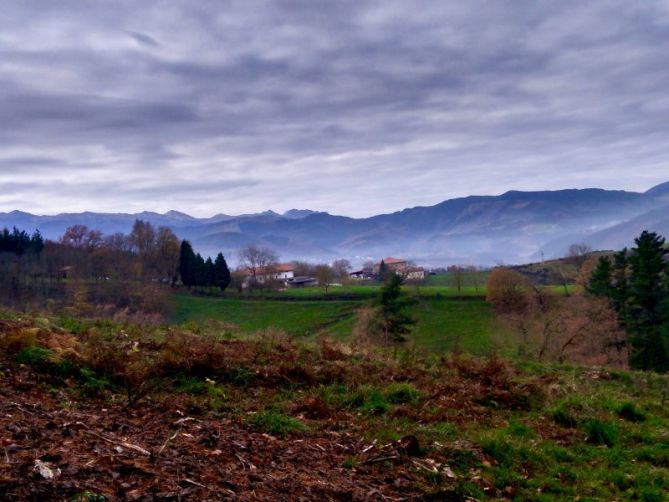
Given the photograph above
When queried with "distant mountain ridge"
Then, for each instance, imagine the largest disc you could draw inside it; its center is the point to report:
(513, 227)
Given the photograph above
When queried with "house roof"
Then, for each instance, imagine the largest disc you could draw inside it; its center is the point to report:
(273, 269)
(391, 261)
(283, 267)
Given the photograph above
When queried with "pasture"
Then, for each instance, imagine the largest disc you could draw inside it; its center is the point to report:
(445, 318)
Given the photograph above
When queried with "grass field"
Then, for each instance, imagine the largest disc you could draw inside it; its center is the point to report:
(364, 291)
(300, 318)
(442, 322)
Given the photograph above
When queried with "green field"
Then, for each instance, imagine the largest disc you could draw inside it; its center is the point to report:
(443, 319)
(363, 291)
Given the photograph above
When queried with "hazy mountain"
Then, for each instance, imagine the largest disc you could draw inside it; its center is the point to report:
(512, 227)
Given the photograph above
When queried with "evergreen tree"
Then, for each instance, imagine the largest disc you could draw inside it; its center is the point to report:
(383, 271)
(187, 264)
(620, 295)
(37, 242)
(600, 280)
(200, 271)
(221, 272)
(394, 321)
(209, 273)
(648, 322)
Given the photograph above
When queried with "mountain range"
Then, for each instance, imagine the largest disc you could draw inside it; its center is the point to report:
(514, 227)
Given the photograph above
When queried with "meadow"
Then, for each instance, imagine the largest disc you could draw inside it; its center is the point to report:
(445, 317)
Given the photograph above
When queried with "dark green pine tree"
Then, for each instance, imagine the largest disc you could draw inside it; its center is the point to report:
(221, 272)
(395, 321)
(620, 296)
(600, 283)
(383, 271)
(187, 264)
(200, 271)
(648, 322)
(209, 273)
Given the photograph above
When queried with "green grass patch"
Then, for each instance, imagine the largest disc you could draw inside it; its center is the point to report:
(402, 393)
(295, 317)
(276, 423)
(600, 432)
(34, 356)
(630, 413)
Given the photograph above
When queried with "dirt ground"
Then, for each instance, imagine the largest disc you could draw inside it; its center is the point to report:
(53, 449)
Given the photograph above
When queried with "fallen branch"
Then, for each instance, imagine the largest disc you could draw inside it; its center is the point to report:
(124, 444)
(167, 441)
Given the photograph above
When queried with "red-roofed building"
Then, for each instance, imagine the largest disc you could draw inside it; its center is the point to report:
(280, 272)
(396, 264)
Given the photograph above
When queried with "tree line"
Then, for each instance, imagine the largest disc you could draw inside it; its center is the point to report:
(196, 271)
(19, 242)
(85, 266)
(636, 283)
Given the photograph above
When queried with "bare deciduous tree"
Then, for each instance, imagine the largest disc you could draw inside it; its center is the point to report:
(457, 276)
(578, 253)
(259, 262)
(324, 275)
(341, 268)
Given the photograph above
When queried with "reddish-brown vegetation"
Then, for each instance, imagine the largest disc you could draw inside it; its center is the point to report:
(103, 412)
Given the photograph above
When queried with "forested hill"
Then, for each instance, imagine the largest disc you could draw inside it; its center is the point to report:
(512, 227)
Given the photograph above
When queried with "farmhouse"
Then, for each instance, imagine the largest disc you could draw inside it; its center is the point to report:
(396, 264)
(414, 273)
(282, 272)
(361, 275)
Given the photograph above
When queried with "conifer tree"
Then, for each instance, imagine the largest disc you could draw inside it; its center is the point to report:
(383, 271)
(208, 275)
(600, 280)
(620, 295)
(221, 272)
(394, 321)
(649, 293)
(187, 264)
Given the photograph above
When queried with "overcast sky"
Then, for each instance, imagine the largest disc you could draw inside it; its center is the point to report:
(352, 107)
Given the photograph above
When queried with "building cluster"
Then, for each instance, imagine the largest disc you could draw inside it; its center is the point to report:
(398, 266)
(284, 273)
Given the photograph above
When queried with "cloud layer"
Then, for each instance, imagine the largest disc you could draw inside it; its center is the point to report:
(353, 107)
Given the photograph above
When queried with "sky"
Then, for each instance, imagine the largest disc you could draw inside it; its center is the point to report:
(351, 107)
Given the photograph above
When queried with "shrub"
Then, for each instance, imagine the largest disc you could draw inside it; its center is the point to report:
(14, 340)
(276, 423)
(38, 357)
(600, 432)
(193, 354)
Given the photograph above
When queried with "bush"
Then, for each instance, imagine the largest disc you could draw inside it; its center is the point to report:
(276, 423)
(193, 354)
(600, 432)
(38, 357)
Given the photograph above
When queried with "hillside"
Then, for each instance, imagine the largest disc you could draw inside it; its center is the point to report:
(99, 411)
(512, 227)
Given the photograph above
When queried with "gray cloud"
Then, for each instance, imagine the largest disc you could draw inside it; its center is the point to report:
(350, 107)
